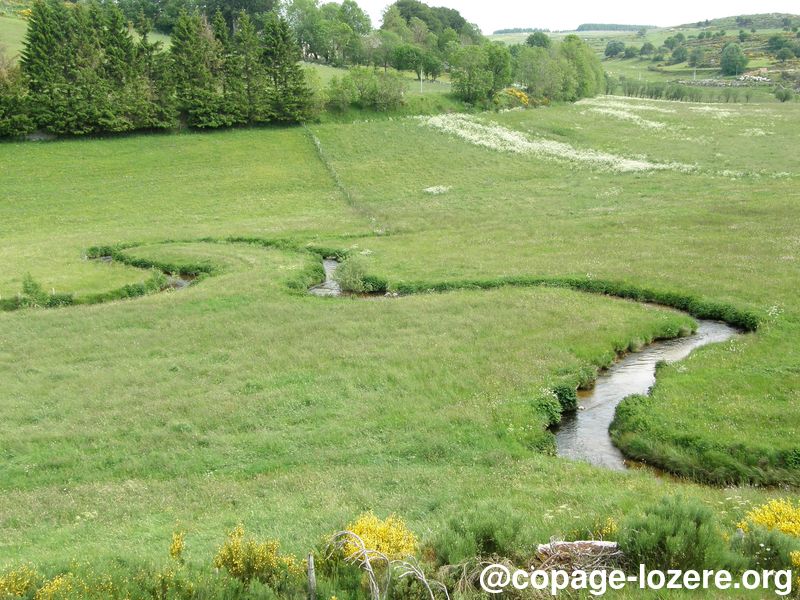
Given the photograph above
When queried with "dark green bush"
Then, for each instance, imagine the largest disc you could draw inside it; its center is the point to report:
(352, 277)
(567, 396)
(489, 529)
(676, 533)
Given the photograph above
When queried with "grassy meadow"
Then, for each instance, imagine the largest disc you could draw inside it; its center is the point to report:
(12, 32)
(240, 399)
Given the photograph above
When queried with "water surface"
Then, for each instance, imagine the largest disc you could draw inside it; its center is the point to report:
(330, 287)
(584, 434)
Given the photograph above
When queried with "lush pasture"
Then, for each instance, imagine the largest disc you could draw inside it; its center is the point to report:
(241, 400)
(723, 230)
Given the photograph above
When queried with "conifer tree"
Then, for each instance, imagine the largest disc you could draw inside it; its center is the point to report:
(290, 96)
(44, 63)
(196, 54)
(251, 72)
(228, 73)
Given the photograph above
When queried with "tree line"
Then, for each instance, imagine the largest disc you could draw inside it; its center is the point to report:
(87, 68)
(82, 71)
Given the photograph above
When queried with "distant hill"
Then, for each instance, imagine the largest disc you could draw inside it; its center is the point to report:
(611, 27)
(759, 21)
(519, 30)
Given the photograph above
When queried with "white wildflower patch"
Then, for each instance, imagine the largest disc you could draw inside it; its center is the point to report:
(713, 111)
(626, 115)
(755, 132)
(437, 190)
(499, 138)
(624, 104)
(612, 192)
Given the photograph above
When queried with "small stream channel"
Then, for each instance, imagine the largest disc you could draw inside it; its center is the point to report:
(584, 435)
(175, 281)
(330, 287)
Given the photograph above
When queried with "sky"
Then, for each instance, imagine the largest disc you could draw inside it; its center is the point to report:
(491, 15)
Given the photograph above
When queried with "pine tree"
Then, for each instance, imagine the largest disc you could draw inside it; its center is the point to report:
(228, 73)
(89, 106)
(290, 96)
(118, 67)
(251, 73)
(196, 56)
(43, 62)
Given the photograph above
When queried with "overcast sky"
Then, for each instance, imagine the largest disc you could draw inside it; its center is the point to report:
(491, 15)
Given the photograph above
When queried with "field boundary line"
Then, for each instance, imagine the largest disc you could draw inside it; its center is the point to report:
(360, 208)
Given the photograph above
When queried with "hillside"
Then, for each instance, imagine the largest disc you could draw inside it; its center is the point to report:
(757, 21)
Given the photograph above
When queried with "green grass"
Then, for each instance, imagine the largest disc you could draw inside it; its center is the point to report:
(12, 32)
(242, 399)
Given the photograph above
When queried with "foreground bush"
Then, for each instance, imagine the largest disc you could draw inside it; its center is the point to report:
(779, 515)
(676, 534)
(389, 536)
(487, 530)
(766, 549)
(246, 560)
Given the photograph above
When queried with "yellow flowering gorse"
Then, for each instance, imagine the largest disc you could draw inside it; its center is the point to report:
(781, 515)
(177, 545)
(17, 582)
(58, 587)
(246, 559)
(389, 536)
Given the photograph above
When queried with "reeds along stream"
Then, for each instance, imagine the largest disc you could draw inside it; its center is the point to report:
(584, 434)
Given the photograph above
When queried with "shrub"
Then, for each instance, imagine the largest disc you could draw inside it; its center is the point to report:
(390, 536)
(780, 515)
(676, 534)
(784, 94)
(511, 98)
(341, 94)
(567, 396)
(17, 582)
(486, 530)
(601, 529)
(766, 549)
(352, 277)
(32, 293)
(246, 560)
(373, 89)
(177, 546)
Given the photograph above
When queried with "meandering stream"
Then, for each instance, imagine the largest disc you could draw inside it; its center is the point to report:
(584, 434)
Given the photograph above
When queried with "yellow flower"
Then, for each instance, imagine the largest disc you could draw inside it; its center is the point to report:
(389, 536)
(17, 582)
(795, 557)
(177, 545)
(246, 559)
(58, 587)
(780, 514)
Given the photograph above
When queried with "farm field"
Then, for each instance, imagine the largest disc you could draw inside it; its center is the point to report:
(243, 399)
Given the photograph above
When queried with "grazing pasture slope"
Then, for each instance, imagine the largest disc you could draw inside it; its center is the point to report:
(242, 400)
